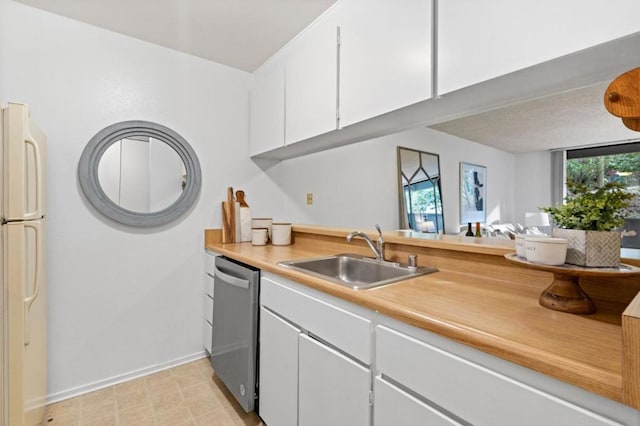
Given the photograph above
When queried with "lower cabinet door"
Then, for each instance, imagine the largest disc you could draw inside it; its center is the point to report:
(278, 370)
(395, 407)
(333, 389)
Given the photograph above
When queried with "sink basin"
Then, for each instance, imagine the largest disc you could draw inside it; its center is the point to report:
(355, 271)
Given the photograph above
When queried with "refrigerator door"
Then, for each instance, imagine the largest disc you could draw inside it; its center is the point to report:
(23, 159)
(26, 331)
(3, 324)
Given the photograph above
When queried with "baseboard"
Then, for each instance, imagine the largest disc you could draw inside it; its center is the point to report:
(90, 387)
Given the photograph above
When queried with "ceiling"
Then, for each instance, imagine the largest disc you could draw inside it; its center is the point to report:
(242, 34)
(565, 120)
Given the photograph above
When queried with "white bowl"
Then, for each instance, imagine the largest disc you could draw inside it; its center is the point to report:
(546, 250)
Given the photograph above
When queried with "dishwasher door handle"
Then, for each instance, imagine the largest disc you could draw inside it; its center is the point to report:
(229, 279)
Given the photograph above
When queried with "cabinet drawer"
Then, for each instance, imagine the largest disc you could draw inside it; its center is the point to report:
(208, 285)
(209, 263)
(208, 308)
(395, 407)
(474, 393)
(345, 330)
(206, 335)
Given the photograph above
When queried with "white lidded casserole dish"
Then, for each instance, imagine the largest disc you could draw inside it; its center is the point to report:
(546, 250)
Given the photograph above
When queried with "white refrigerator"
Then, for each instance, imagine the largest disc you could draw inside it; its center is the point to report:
(23, 304)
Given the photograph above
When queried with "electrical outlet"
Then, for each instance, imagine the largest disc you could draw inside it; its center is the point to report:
(309, 198)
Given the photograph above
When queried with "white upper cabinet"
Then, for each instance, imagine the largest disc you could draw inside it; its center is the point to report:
(385, 56)
(267, 107)
(369, 67)
(312, 80)
(480, 40)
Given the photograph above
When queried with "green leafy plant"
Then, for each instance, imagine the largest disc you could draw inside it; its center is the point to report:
(601, 209)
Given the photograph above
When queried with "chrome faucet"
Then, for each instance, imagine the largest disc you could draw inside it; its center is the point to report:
(378, 248)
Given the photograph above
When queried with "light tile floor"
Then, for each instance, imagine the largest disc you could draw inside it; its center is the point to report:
(189, 394)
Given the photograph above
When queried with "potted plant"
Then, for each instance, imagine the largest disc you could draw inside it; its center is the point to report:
(589, 220)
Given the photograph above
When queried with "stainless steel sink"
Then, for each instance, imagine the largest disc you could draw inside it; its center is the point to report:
(355, 271)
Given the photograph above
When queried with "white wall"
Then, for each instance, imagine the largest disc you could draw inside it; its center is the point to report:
(532, 182)
(356, 185)
(121, 300)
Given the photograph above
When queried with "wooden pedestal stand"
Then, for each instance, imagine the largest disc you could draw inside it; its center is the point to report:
(565, 294)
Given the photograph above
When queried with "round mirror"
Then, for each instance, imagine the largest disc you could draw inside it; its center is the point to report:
(139, 173)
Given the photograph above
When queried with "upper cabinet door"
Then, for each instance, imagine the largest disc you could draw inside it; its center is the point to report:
(267, 107)
(385, 57)
(478, 41)
(312, 80)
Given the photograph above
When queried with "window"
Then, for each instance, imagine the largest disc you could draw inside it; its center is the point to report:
(424, 204)
(596, 166)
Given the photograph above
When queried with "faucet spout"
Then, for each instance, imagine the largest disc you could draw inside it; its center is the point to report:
(378, 249)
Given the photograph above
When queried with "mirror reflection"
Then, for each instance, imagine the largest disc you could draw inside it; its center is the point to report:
(420, 191)
(141, 174)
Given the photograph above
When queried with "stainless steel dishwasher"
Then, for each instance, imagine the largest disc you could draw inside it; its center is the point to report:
(234, 347)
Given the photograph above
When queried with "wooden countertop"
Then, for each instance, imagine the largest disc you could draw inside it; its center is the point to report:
(476, 298)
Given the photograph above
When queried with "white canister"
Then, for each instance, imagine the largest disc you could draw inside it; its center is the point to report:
(259, 236)
(546, 250)
(281, 234)
(262, 222)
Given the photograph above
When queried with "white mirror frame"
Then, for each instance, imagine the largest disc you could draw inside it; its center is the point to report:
(90, 184)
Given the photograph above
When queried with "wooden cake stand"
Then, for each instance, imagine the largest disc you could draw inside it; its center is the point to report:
(565, 294)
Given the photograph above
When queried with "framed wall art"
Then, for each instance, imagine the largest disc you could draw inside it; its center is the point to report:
(473, 190)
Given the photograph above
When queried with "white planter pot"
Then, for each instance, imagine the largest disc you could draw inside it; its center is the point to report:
(598, 249)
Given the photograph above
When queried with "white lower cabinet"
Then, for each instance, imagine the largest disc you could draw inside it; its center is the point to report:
(207, 330)
(278, 370)
(395, 407)
(475, 393)
(314, 358)
(207, 309)
(333, 389)
(319, 353)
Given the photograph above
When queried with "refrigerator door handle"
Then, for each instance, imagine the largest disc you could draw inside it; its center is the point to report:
(37, 213)
(36, 279)
(238, 282)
